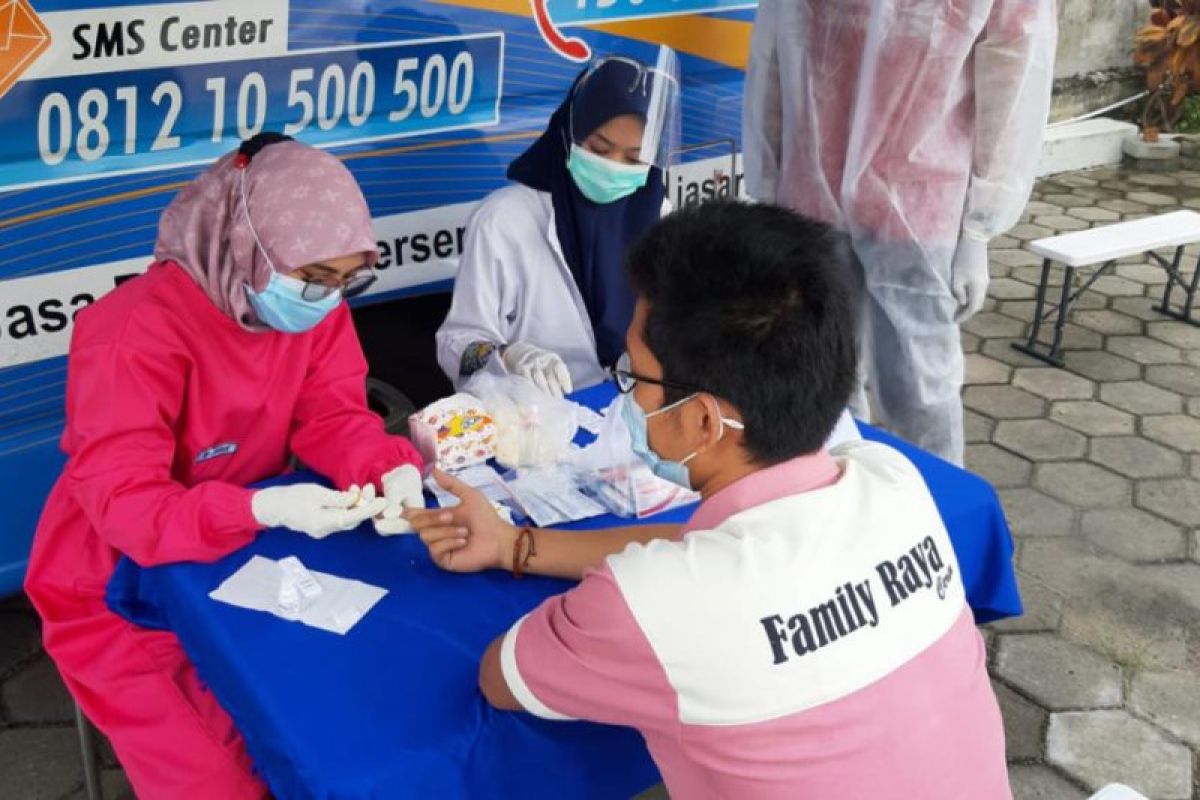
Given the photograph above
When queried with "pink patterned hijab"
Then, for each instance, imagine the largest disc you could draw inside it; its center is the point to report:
(305, 206)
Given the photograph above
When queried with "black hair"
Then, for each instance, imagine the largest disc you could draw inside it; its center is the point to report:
(751, 303)
(250, 147)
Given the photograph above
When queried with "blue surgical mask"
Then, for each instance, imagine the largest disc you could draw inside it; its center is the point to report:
(635, 419)
(282, 305)
(603, 180)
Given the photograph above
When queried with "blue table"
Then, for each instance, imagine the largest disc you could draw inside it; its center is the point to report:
(391, 710)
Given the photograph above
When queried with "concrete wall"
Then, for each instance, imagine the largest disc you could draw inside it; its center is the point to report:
(1094, 65)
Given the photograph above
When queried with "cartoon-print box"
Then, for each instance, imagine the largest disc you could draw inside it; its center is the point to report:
(454, 432)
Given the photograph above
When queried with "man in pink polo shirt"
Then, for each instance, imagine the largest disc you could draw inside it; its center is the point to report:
(806, 634)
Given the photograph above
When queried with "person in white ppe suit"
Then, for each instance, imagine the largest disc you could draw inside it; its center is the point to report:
(915, 127)
(541, 289)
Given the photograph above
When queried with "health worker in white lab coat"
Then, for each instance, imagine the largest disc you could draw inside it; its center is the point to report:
(915, 126)
(541, 289)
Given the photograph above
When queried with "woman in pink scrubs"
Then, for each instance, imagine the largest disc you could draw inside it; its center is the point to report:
(186, 384)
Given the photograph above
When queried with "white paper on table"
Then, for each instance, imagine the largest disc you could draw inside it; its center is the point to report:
(338, 608)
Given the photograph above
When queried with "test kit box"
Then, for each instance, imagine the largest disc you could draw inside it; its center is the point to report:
(454, 433)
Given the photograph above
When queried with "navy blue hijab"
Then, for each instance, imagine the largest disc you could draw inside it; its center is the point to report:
(594, 237)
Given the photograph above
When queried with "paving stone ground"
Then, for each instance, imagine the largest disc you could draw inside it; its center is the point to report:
(39, 748)
(1098, 468)
(1100, 680)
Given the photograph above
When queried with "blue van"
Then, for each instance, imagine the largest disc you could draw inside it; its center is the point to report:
(108, 108)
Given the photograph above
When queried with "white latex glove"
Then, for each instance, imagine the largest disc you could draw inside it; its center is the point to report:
(313, 509)
(969, 277)
(401, 489)
(547, 370)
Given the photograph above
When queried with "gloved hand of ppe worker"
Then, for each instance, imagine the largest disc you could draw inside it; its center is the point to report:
(547, 370)
(313, 509)
(401, 490)
(969, 277)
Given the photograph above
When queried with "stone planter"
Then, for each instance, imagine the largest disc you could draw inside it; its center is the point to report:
(1160, 156)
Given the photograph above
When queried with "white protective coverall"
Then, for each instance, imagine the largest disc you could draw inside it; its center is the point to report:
(911, 125)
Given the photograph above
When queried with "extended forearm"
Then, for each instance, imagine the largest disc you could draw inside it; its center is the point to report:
(567, 554)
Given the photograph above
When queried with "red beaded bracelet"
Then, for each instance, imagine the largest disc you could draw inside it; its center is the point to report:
(519, 563)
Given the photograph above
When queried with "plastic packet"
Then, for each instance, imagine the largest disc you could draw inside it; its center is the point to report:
(610, 471)
(533, 429)
(481, 477)
(551, 497)
(488, 482)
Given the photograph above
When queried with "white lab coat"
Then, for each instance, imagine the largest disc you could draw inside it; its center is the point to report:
(514, 285)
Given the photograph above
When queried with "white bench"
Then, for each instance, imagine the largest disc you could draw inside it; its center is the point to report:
(1105, 245)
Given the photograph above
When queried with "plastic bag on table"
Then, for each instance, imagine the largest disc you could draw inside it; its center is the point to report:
(609, 470)
(533, 429)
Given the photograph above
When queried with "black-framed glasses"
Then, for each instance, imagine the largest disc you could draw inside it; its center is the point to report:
(352, 285)
(627, 380)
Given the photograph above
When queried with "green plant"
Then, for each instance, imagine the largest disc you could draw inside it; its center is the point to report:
(1189, 117)
(1168, 48)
